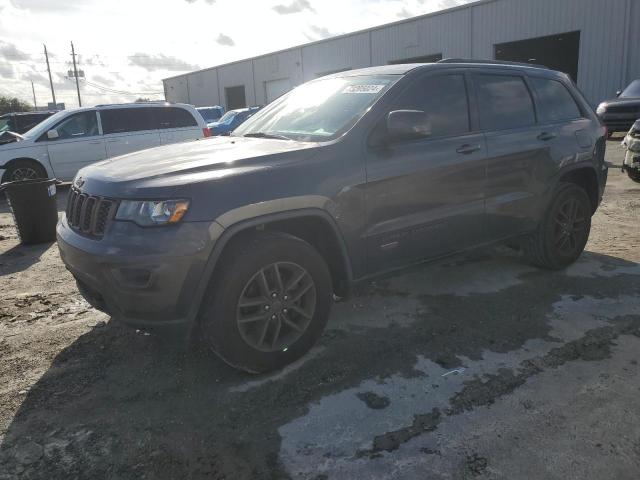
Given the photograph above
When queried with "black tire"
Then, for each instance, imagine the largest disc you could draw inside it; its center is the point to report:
(563, 233)
(633, 174)
(23, 169)
(268, 344)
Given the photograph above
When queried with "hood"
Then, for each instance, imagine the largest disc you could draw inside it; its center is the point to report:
(188, 163)
(217, 127)
(9, 137)
(632, 102)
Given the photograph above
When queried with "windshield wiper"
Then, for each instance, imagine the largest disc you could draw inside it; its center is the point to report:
(267, 135)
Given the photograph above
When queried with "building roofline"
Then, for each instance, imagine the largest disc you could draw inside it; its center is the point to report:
(342, 35)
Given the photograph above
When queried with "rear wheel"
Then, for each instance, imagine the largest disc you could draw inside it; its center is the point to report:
(563, 234)
(268, 303)
(23, 170)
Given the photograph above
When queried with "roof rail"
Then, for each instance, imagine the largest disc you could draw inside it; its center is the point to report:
(132, 103)
(491, 62)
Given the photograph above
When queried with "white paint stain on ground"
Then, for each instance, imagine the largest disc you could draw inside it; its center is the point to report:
(327, 439)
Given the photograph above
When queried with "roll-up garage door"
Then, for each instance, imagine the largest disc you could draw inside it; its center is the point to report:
(277, 88)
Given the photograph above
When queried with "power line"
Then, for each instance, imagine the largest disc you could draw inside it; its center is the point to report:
(122, 92)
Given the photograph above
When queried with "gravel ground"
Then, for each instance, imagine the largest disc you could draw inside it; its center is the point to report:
(476, 367)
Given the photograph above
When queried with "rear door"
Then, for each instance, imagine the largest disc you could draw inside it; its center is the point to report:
(176, 125)
(128, 130)
(518, 150)
(425, 197)
(560, 116)
(79, 143)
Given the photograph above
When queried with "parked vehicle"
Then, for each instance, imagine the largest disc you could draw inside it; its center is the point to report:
(246, 238)
(211, 114)
(231, 120)
(631, 143)
(620, 113)
(71, 139)
(19, 122)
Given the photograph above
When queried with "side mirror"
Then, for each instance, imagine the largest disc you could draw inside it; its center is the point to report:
(408, 125)
(618, 93)
(52, 134)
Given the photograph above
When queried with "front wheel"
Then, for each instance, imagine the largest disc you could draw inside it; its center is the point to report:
(633, 174)
(563, 234)
(268, 303)
(23, 170)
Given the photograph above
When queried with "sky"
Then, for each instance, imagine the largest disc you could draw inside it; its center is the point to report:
(126, 48)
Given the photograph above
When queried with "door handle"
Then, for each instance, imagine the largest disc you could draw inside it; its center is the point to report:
(95, 143)
(546, 136)
(466, 149)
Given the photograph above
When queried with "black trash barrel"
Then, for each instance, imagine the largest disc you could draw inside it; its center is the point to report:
(34, 209)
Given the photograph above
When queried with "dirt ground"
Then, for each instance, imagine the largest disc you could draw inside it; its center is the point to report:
(475, 367)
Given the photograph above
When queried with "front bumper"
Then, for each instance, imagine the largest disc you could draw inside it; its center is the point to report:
(140, 276)
(618, 122)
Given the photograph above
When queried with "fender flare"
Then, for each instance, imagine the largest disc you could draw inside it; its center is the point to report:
(230, 232)
(586, 165)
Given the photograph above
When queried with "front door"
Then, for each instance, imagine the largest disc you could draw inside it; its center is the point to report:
(425, 198)
(78, 144)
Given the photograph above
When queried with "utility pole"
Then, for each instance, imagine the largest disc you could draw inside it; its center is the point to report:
(35, 105)
(53, 94)
(75, 74)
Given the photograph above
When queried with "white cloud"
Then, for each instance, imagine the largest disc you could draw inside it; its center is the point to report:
(296, 6)
(164, 38)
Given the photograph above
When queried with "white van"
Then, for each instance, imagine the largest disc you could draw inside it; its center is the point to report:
(69, 140)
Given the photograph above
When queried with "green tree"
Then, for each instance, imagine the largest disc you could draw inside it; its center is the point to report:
(8, 105)
(143, 100)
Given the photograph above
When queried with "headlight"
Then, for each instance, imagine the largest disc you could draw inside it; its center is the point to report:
(152, 212)
(602, 108)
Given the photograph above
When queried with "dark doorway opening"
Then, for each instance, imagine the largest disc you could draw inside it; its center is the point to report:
(559, 52)
(235, 97)
(422, 59)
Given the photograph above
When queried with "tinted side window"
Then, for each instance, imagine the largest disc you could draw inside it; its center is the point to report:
(78, 125)
(504, 102)
(172, 117)
(120, 120)
(555, 101)
(27, 122)
(444, 99)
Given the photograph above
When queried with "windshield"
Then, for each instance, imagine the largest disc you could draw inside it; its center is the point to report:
(228, 117)
(320, 110)
(45, 125)
(633, 90)
(4, 124)
(209, 114)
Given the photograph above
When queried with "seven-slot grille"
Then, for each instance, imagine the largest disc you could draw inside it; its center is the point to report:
(89, 214)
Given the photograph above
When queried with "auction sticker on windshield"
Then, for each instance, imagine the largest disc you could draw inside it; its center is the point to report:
(363, 88)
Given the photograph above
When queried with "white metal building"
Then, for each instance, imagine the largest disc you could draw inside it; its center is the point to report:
(595, 41)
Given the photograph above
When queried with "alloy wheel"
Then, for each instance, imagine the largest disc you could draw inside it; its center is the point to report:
(570, 226)
(24, 173)
(276, 306)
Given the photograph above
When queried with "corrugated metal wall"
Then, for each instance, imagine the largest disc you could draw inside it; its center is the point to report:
(609, 47)
(601, 34)
(203, 88)
(448, 34)
(344, 53)
(278, 66)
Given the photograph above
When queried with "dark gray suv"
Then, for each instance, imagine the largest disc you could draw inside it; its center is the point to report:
(247, 238)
